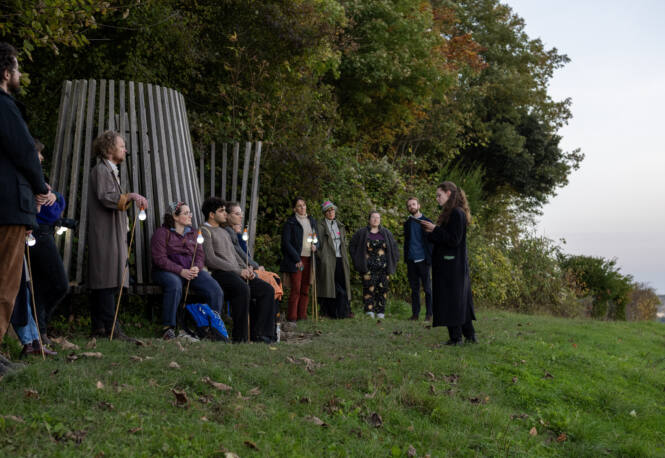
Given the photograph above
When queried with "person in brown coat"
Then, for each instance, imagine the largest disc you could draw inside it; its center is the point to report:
(107, 231)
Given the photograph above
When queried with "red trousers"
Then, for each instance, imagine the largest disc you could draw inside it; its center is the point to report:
(12, 246)
(299, 296)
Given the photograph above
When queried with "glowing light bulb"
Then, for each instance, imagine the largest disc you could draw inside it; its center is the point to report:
(315, 239)
(142, 215)
(30, 240)
(199, 238)
(61, 230)
(245, 236)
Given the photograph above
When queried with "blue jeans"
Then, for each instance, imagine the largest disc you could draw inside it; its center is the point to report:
(28, 333)
(173, 285)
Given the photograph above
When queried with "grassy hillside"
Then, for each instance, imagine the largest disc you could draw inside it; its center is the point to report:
(534, 385)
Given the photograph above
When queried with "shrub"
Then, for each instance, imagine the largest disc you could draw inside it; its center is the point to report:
(642, 303)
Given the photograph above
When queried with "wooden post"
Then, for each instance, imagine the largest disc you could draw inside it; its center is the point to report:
(254, 204)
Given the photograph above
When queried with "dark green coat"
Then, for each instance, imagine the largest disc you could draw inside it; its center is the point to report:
(326, 260)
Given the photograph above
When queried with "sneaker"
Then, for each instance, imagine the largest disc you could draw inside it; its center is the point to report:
(46, 340)
(380, 316)
(370, 314)
(119, 334)
(37, 350)
(169, 334)
(187, 338)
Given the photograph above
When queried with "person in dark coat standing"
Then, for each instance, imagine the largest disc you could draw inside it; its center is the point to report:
(375, 255)
(22, 187)
(296, 258)
(333, 279)
(452, 300)
(418, 258)
(107, 231)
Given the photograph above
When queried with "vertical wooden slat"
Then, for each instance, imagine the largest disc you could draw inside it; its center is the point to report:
(102, 107)
(212, 169)
(224, 164)
(254, 204)
(74, 172)
(122, 128)
(201, 174)
(111, 122)
(186, 179)
(56, 158)
(163, 149)
(154, 205)
(189, 155)
(87, 156)
(245, 176)
(157, 172)
(65, 158)
(174, 157)
(236, 159)
(135, 165)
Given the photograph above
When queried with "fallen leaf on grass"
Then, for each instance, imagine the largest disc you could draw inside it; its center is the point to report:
(180, 398)
(515, 379)
(152, 382)
(220, 386)
(479, 400)
(410, 428)
(533, 431)
(562, 437)
(230, 455)
(291, 360)
(13, 417)
(430, 376)
(204, 418)
(241, 397)
(205, 399)
(519, 416)
(251, 445)
(310, 365)
(105, 405)
(75, 436)
(179, 345)
(371, 395)
(316, 420)
(432, 389)
(99, 385)
(135, 430)
(548, 375)
(174, 365)
(91, 354)
(34, 394)
(139, 343)
(633, 413)
(65, 344)
(254, 391)
(411, 451)
(91, 344)
(136, 358)
(376, 420)
(452, 378)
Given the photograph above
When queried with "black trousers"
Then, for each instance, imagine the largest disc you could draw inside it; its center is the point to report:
(338, 306)
(102, 309)
(256, 298)
(419, 273)
(49, 277)
(456, 332)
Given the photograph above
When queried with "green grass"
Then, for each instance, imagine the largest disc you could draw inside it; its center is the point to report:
(600, 373)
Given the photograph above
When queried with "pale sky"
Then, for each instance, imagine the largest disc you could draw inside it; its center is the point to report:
(614, 205)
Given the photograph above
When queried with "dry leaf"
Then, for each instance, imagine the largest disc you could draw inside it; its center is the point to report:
(12, 417)
(515, 379)
(218, 385)
(430, 376)
(75, 436)
(204, 418)
(291, 360)
(371, 396)
(180, 398)
(179, 345)
(316, 420)
(533, 431)
(410, 428)
(65, 344)
(91, 344)
(135, 430)
(230, 455)
(562, 437)
(106, 405)
(174, 365)
(633, 413)
(432, 389)
(152, 382)
(519, 416)
(34, 394)
(91, 354)
(548, 375)
(376, 420)
(452, 378)
(99, 385)
(136, 358)
(254, 391)
(251, 445)
(241, 397)
(411, 451)
(139, 343)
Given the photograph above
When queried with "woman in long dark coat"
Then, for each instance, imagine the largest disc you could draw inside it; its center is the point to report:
(452, 302)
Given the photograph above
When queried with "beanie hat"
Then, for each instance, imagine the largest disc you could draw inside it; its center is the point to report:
(327, 205)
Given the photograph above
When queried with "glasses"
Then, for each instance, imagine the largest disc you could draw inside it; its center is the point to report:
(187, 213)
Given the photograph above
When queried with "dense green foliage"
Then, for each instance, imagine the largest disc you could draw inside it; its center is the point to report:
(533, 386)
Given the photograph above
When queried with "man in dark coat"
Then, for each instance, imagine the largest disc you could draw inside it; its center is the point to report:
(418, 258)
(22, 188)
(107, 232)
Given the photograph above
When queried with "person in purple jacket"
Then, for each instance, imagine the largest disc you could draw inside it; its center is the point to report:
(172, 247)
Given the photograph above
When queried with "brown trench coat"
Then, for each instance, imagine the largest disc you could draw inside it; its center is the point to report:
(326, 260)
(107, 229)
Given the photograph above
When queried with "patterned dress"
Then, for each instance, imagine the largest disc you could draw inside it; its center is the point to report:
(375, 281)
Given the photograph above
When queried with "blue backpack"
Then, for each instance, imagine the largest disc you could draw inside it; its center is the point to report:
(208, 324)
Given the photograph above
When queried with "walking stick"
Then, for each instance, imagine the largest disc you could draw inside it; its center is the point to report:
(199, 241)
(315, 304)
(124, 272)
(30, 242)
(245, 237)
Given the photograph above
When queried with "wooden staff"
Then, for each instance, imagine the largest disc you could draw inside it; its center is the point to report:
(315, 303)
(199, 241)
(245, 237)
(124, 274)
(32, 296)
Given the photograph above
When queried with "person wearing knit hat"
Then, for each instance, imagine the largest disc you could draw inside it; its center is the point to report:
(333, 273)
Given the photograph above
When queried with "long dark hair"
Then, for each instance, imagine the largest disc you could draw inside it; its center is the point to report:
(457, 199)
